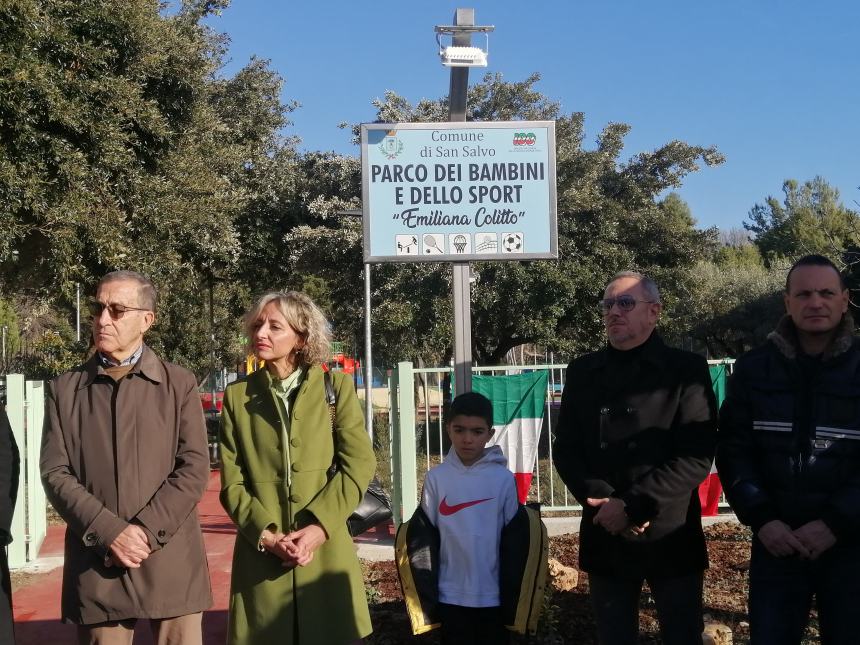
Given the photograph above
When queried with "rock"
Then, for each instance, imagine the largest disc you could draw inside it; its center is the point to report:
(563, 578)
(716, 634)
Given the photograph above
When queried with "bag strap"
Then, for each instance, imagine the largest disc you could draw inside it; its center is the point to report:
(331, 399)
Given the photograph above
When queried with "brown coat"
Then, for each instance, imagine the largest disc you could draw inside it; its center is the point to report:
(116, 453)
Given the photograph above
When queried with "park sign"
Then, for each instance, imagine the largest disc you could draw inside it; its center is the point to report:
(455, 192)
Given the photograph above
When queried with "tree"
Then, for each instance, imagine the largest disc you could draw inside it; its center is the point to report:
(8, 328)
(120, 147)
(810, 219)
(611, 218)
(738, 302)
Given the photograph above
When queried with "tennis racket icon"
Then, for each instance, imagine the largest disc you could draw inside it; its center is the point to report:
(431, 245)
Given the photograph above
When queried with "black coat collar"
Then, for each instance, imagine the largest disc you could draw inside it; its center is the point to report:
(651, 352)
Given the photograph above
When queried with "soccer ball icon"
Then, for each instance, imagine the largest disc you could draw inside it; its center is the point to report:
(512, 242)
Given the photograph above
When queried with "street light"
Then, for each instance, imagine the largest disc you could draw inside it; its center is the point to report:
(457, 55)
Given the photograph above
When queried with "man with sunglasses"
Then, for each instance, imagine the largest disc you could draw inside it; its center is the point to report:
(124, 462)
(789, 458)
(634, 439)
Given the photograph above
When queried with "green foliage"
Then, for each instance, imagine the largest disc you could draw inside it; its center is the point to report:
(745, 255)
(51, 355)
(736, 301)
(120, 148)
(9, 328)
(810, 219)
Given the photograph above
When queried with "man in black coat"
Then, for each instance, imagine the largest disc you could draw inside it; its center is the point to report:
(789, 460)
(9, 469)
(635, 438)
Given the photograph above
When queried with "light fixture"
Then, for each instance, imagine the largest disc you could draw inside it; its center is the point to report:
(460, 56)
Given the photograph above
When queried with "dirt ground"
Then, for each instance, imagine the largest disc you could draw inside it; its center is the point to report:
(567, 615)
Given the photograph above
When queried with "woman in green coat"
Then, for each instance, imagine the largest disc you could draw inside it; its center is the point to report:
(296, 578)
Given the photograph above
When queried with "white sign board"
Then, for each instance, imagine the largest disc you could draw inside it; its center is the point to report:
(456, 192)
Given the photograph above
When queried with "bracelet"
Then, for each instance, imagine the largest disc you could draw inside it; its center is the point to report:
(261, 547)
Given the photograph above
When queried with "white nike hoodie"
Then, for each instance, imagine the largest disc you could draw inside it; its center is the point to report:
(470, 505)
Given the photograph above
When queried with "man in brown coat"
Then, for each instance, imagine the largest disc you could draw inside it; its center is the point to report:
(124, 462)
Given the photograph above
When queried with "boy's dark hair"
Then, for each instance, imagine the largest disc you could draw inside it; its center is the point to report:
(471, 404)
(814, 260)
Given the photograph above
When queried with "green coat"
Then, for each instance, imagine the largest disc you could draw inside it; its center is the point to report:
(266, 481)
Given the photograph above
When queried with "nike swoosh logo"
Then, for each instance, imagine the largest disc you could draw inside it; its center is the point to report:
(445, 509)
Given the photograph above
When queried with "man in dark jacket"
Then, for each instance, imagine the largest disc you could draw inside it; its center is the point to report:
(789, 459)
(635, 438)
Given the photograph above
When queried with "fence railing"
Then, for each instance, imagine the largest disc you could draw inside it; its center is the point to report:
(25, 406)
(416, 438)
(417, 434)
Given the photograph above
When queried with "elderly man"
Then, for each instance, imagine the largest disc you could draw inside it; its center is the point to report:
(124, 462)
(789, 459)
(634, 439)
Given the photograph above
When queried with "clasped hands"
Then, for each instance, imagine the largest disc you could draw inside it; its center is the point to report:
(129, 549)
(808, 541)
(295, 548)
(613, 518)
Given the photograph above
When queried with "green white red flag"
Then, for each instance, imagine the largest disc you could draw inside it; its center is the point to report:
(519, 402)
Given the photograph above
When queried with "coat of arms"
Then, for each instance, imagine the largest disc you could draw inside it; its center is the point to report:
(391, 146)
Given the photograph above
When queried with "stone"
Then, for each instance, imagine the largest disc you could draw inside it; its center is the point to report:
(563, 578)
(716, 634)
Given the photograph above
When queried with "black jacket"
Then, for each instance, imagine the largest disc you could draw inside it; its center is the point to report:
(789, 443)
(523, 552)
(639, 425)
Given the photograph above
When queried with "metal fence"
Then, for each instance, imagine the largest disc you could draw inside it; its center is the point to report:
(25, 406)
(418, 440)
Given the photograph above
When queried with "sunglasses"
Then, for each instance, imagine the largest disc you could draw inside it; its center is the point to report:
(114, 311)
(625, 303)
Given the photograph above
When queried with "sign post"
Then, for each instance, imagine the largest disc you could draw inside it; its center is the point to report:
(462, 273)
(457, 192)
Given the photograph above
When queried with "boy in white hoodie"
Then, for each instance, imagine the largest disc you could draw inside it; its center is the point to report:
(469, 498)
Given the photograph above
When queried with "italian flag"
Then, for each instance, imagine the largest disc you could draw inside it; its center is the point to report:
(709, 493)
(518, 407)
(711, 489)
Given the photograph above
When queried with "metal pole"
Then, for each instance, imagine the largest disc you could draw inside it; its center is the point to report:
(368, 359)
(78, 310)
(461, 272)
(4, 346)
(460, 75)
(212, 351)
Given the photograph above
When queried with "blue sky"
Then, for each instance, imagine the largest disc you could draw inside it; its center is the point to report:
(773, 84)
